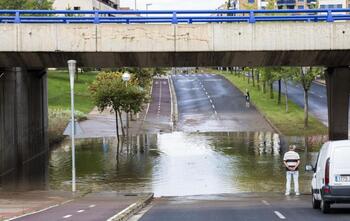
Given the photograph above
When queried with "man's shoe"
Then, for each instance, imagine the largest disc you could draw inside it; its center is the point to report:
(287, 194)
(297, 194)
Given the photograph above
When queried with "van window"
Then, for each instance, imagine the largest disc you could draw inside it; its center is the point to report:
(341, 157)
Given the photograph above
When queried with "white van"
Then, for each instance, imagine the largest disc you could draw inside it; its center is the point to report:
(331, 179)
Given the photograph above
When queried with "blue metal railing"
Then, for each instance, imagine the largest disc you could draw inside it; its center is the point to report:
(172, 17)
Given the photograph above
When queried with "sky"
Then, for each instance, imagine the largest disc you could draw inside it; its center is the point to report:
(173, 4)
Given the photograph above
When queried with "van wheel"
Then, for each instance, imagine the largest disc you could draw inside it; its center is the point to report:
(315, 203)
(325, 206)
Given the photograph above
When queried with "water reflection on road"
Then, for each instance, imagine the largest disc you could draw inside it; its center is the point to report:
(180, 163)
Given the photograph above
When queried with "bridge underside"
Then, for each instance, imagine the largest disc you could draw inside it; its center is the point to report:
(327, 58)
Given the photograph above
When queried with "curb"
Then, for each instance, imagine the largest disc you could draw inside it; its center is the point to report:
(132, 209)
(174, 108)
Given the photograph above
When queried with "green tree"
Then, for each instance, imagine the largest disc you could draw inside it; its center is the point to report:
(305, 76)
(25, 4)
(109, 90)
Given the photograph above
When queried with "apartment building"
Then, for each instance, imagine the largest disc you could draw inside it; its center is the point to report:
(296, 4)
(86, 4)
(245, 4)
(334, 4)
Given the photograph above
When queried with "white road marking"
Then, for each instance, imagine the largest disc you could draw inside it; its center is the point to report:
(67, 216)
(265, 202)
(213, 106)
(210, 101)
(80, 211)
(39, 211)
(206, 93)
(92, 206)
(279, 215)
(216, 113)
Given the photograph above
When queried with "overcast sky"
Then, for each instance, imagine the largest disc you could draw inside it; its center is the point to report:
(173, 4)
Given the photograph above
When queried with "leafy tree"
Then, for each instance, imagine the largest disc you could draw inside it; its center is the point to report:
(305, 76)
(109, 90)
(268, 75)
(25, 4)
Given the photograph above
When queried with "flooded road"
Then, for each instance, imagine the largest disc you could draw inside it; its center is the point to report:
(177, 164)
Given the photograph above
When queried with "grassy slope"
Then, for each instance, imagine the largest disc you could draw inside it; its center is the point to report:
(290, 123)
(59, 91)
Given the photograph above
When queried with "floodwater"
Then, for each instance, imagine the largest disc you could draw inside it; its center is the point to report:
(177, 164)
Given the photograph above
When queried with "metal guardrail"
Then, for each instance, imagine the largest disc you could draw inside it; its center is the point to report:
(172, 17)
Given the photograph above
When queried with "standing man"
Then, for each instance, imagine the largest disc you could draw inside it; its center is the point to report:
(291, 161)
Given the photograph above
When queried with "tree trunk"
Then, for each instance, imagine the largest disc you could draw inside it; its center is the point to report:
(271, 90)
(248, 77)
(121, 122)
(279, 91)
(264, 87)
(258, 80)
(286, 93)
(306, 108)
(253, 77)
(116, 124)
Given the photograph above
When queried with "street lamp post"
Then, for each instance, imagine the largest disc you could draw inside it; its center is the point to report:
(72, 68)
(147, 5)
(126, 77)
(135, 5)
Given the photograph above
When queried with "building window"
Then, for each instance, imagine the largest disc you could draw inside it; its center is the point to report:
(76, 8)
(251, 1)
(300, 6)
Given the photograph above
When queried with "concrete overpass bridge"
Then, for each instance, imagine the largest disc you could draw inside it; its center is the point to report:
(32, 41)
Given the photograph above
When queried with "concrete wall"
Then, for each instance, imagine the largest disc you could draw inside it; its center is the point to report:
(23, 124)
(236, 44)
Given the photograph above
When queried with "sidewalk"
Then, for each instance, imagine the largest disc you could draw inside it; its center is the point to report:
(57, 205)
(13, 204)
(104, 124)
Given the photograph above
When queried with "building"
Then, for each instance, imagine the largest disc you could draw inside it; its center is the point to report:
(334, 4)
(296, 4)
(86, 4)
(245, 4)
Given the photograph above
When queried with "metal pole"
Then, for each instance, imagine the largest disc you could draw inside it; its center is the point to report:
(71, 67)
(135, 5)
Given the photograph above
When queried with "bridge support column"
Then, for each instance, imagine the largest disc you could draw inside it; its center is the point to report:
(338, 89)
(23, 125)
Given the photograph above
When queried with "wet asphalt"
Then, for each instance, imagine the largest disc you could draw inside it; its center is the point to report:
(247, 207)
(208, 102)
(317, 99)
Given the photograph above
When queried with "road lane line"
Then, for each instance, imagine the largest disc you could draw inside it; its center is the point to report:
(67, 216)
(279, 215)
(92, 206)
(210, 101)
(39, 211)
(80, 211)
(265, 202)
(216, 113)
(213, 106)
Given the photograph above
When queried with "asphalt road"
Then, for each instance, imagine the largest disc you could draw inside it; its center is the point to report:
(93, 207)
(208, 102)
(248, 207)
(317, 99)
(158, 116)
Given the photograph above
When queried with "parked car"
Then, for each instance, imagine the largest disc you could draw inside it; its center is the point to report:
(331, 180)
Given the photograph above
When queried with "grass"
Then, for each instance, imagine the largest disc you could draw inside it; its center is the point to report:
(291, 123)
(59, 91)
(59, 101)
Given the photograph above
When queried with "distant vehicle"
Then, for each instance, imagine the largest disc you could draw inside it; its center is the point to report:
(331, 180)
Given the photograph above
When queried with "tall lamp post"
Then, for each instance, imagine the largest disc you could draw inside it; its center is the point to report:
(147, 5)
(72, 68)
(126, 77)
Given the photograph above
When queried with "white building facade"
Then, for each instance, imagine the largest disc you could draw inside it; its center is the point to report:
(86, 4)
(332, 4)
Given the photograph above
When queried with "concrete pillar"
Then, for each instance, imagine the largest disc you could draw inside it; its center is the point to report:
(338, 89)
(23, 126)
